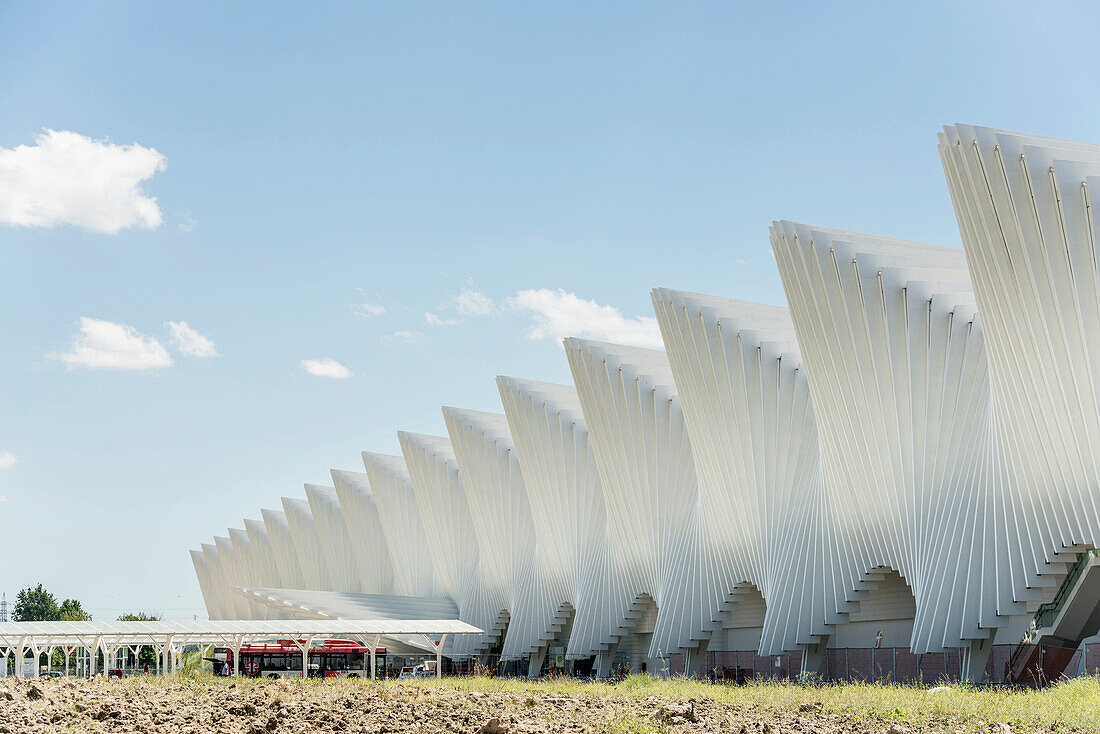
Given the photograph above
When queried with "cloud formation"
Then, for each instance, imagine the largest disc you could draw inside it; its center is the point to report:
(107, 345)
(558, 314)
(366, 310)
(7, 460)
(68, 178)
(326, 367)
(433, 320)
(473, 303)
(189, 342)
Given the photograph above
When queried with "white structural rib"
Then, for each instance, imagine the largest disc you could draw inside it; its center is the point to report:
(368, 547)
(501, 520)
(753, 436)
(247, 567)
(291, 573)
(220, 609)
(206, 584)
(402, 528)
(303, 531)
(334, 542)
(267, 572)
(1024, 207)
(569, 514)
(232, 574)
(636, 426)
(896, 367)
(445, 513)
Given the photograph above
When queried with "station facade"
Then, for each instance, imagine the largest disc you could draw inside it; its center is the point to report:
(901, 467)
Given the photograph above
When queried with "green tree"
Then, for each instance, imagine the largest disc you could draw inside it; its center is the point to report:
(146, 655)
(35, 605)
(71, 611)
(138, 617)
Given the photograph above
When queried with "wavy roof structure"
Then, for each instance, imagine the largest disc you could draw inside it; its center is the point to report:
(911, 445)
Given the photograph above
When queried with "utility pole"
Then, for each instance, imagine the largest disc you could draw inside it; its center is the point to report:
(4, 607)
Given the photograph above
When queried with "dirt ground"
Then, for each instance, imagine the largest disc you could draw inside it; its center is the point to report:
(257, 707)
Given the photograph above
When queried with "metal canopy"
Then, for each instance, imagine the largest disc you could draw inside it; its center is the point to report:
(57, 634)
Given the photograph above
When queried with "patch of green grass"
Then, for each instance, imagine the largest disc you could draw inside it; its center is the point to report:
(1066, 706)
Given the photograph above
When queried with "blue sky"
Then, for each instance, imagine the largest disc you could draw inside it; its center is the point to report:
(325, 177)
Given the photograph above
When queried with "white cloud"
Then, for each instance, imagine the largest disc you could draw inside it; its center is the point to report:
(366, 310)
(432, 320)
(189, 342)
(7, 460)
(67, 178)
(558, 314)
(472, 303)
(4, 498)
(326, 367)
(107, 345)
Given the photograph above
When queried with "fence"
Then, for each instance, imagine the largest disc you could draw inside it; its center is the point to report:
(886, 664)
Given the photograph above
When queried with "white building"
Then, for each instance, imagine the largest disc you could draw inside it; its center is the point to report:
(905, 458)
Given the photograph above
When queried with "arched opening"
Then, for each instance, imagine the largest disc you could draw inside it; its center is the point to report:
(493, 645)
(885, 616)
(731, 652)
(874, 642)
(632, 650)
(552, 657)
(742, 624)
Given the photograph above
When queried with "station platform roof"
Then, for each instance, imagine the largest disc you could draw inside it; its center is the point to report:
(23, 635)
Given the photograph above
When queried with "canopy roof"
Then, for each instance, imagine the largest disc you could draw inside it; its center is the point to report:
(94, 634)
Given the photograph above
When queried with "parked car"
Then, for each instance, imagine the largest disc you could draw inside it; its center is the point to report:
(116, 673)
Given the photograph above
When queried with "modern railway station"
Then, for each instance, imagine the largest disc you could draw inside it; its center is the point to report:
(894, 476)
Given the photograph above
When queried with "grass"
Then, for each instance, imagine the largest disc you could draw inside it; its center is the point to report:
(1068, 706)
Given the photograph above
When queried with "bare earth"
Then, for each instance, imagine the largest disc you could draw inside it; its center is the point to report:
(257, 707)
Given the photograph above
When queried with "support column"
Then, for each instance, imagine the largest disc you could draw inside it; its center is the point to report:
(21, 647)
(237, 656)
(812, 658)
(693, 659)
(974, 659)
(534, 667)
(305, 656)
(603, 662)
(373, 652)
(439, 658)
(98, 642)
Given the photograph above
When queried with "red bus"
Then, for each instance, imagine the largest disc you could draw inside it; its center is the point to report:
(283, 659)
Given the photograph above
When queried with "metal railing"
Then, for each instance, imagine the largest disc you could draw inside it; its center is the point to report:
(1046, 614)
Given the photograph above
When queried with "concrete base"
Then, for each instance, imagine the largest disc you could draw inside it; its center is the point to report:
(974, 659)
(534, 667)
(603, 663)
(693, 660)
(812, 658)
